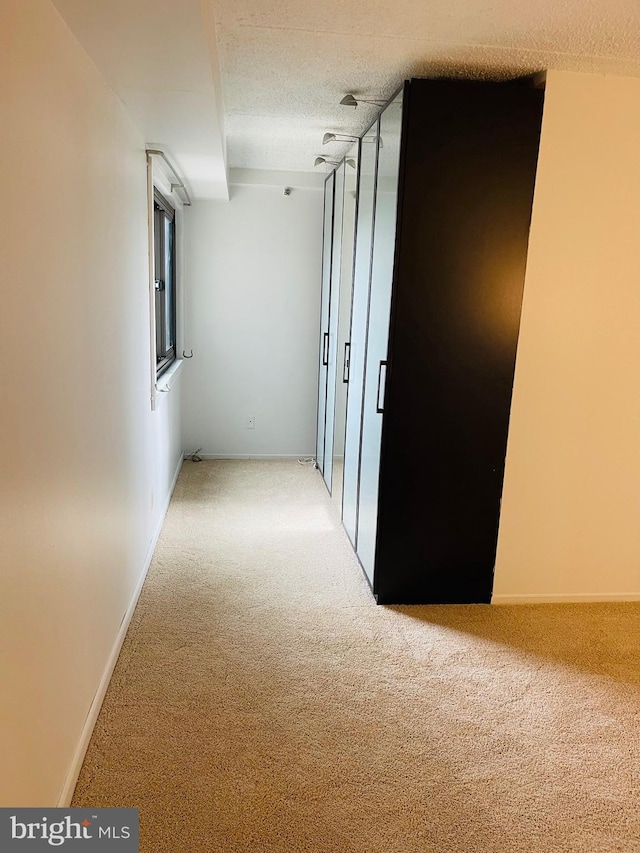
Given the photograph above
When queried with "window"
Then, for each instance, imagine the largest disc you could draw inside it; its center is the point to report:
(164, 242)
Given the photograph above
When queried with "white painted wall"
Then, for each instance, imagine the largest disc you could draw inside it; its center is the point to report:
(570, 523)
(86, 467)
(252, 300)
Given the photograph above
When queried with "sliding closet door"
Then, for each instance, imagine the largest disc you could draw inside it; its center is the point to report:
(344, 319)
(324, 318)
(358, 334)
(334, 312)
(384, 233)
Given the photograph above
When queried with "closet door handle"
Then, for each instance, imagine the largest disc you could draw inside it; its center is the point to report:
(379, 408)
(325, 349)
(347, 362)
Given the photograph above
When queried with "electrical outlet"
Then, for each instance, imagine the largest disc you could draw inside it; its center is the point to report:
(250, 422)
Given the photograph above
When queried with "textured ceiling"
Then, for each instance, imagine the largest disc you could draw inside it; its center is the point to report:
(286, 63)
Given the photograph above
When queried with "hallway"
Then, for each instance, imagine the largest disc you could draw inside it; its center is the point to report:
(263, 702)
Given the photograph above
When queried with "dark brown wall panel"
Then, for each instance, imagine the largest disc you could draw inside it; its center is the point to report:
(469, 162)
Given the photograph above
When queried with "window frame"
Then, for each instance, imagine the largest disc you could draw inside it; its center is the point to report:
(164, 211)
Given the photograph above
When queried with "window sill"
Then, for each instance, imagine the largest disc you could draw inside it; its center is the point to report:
(164, 383)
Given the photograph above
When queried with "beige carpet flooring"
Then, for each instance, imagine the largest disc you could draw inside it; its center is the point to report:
(262, 701)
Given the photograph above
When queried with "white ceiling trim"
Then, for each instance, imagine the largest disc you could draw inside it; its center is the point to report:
(160, 58)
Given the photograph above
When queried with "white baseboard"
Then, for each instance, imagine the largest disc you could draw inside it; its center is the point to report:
(251, 455)
(568, 598)
(76, 765)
